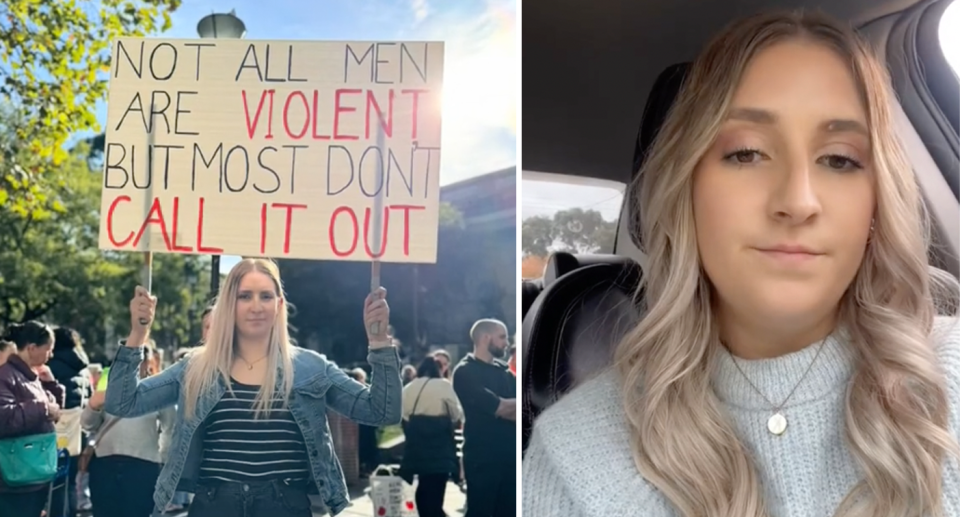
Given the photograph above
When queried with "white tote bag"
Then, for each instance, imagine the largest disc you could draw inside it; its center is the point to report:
(68, 431)
(391, 495)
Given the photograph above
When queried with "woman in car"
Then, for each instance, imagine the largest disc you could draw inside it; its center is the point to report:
(790, 360)
(252, 437)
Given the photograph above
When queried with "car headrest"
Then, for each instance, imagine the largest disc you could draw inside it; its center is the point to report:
(661, 99)
(561, 262)
(530, 289)
(571, 331)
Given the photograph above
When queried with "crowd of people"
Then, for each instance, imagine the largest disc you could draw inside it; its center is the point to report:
(46, 371)
(478, 395)
(164, 439)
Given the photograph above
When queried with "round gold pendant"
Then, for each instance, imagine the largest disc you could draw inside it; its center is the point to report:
(777, 424)
(249, 367)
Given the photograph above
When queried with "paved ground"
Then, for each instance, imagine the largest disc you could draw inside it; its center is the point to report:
(362, 506)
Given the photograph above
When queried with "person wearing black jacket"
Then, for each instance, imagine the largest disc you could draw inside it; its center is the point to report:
(69, 366)
(488, 393)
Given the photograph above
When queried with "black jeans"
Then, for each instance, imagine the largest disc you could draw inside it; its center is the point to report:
(266, 499)
(369, 449)
(122, 486)
(431, 488)
(491, 488)
(25, 504)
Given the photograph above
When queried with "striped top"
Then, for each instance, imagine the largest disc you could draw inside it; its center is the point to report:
(236, 447)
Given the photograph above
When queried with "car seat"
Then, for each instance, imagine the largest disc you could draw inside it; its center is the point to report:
(588, 302)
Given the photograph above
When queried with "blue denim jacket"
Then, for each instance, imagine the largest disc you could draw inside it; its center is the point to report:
(317, 385)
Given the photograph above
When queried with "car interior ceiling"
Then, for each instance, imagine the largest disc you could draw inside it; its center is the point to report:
(607, 54)
(579, 310)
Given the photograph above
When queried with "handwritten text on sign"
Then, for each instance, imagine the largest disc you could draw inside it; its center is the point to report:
(270, 148)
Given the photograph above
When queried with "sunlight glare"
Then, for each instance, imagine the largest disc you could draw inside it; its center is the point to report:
(479, 87)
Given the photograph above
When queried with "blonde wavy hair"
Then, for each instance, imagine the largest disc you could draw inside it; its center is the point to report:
(896, 405)
(212, 362)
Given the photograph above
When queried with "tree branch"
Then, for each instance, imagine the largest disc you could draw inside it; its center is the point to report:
(32, 313)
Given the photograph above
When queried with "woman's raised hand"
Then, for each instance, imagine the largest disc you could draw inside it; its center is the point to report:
(376, 317)
(142, 309)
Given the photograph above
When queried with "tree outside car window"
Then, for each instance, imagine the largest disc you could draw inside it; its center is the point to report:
(572, 217)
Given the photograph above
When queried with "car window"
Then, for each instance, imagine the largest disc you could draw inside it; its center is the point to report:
(562, 213)
(950, 35)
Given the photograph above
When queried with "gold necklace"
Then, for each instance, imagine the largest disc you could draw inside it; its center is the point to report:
(249, 364)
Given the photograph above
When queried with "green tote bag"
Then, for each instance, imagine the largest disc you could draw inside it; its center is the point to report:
(28, 460)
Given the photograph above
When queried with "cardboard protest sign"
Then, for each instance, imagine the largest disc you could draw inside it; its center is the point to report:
(270, 148)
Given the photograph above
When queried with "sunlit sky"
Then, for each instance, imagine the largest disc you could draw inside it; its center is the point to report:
(547, 198)
(479, 78)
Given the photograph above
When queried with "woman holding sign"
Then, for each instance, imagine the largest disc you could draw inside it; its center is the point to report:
(252, 436)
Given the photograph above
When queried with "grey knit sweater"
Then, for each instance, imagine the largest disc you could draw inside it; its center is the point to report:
(579, 462)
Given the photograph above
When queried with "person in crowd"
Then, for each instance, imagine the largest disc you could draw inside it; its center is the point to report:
(488, 393)
(128, 451)
(791, 359)
(431, 411)
(30, 402)
(408, 373)
(180, 354)
(244, 444)
(69, 364)
(358, 374)
(95, 371)
(368, 442)
(443, 359)
(7, 349)
(401, 350)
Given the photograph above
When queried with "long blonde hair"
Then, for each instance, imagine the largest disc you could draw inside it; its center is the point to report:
(213, 361)
(896, 406)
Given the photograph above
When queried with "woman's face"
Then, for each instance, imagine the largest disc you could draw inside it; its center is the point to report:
(38, 355)
(784, 198)
(5, 353)
(257, 305)
(444, 364)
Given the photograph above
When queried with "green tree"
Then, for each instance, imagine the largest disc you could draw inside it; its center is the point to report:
(54, 57)
(51, 268)
(575, 230)
(538, 235)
